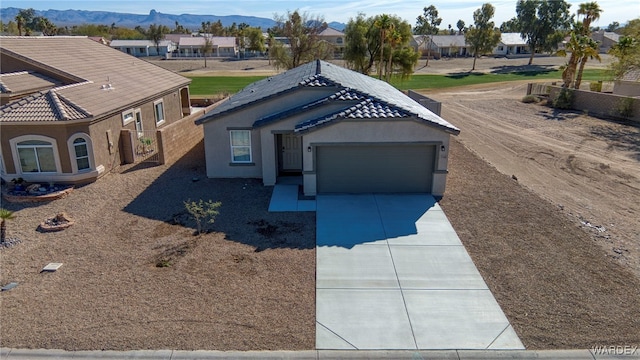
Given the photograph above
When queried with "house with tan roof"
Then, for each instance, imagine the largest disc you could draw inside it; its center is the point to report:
(335, 38)
(337, 130)
(73, 109)
(222, 46)
(144, 47)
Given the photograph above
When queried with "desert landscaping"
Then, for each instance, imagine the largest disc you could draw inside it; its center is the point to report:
(546, 202)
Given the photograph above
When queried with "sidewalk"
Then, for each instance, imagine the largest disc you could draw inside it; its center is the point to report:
(24, 354)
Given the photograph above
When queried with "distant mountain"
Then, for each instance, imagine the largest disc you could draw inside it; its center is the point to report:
(79, 17)
(193, 22)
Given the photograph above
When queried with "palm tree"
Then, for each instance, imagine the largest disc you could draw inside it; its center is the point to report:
(573, 46)
(591, 12)
(384, 23)
(395, 38)
(589, 50)
(4, 215)
(20, 22)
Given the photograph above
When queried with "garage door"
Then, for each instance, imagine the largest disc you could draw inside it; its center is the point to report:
(374, 168)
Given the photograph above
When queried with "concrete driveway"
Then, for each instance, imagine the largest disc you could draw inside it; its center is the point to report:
(393, 274)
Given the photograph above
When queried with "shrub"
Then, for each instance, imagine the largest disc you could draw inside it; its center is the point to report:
(201, 210)
(625, 107)
(564, 100)
(596, 86)
(528, 99)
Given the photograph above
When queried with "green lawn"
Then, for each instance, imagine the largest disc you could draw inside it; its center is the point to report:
(211, 85)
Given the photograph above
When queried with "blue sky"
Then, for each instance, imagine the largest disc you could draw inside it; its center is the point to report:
(332, 10)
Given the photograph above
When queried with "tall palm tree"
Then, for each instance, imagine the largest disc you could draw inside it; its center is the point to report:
(4, 215)
(395, 39)
(589, 50)
(591, 12)
(385, 24)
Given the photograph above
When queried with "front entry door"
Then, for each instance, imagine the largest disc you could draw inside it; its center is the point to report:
(291, 152)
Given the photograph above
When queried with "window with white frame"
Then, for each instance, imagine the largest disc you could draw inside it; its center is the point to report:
(240, 146)
(159, 110)
(127, 117)
(139, 129)
(82, 154)
(36, 156)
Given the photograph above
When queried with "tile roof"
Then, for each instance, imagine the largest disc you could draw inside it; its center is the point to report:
(92, 66)
(331, 32)
(44, 106)
(367, 109)
(321, 73)
(25, 82)
(448, 40)
(219, 41)
(139, 43)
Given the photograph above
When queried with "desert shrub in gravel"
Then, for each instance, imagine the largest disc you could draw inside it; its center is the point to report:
(201, 211)
(528, 99)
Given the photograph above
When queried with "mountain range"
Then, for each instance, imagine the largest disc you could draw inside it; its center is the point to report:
(189, 21)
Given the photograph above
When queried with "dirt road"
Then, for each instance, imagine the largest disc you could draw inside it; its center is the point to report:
(586, 166)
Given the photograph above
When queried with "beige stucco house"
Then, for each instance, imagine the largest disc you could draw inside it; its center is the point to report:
(341, 131)
(72, 108)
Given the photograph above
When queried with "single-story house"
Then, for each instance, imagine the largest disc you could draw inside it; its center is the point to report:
(606, 39)
(73, 109)
(441, 45)
(222, 46)
(511, 44)
(144, 47)
(341, 131)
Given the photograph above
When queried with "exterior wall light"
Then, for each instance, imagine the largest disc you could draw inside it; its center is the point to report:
(442, 148)
(308, 148)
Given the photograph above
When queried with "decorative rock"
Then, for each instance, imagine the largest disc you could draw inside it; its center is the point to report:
(57, 223)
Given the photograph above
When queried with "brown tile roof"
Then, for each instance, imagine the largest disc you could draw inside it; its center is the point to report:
(95, 66)
(43, 106)
(25, 82)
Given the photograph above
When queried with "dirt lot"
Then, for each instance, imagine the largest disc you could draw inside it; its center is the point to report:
(250, 283)
(587, 167)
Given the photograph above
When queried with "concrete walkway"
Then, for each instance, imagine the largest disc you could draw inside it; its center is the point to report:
(393, 274)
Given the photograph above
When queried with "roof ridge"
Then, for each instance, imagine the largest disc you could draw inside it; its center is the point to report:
(73, 105)
(61, 112)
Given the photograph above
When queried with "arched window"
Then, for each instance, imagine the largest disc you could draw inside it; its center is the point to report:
(82, 154)
(36, 156)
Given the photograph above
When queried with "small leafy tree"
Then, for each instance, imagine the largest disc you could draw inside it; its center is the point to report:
(483, 36)
(4, 215)
(201, 211)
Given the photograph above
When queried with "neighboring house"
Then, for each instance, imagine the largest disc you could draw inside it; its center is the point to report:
(336, 39)
(341, 131)
(441, 45)
(222, 46)
(141, 48)
(606, 39)
(628, 85)
(75, 108)
(511, 44)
